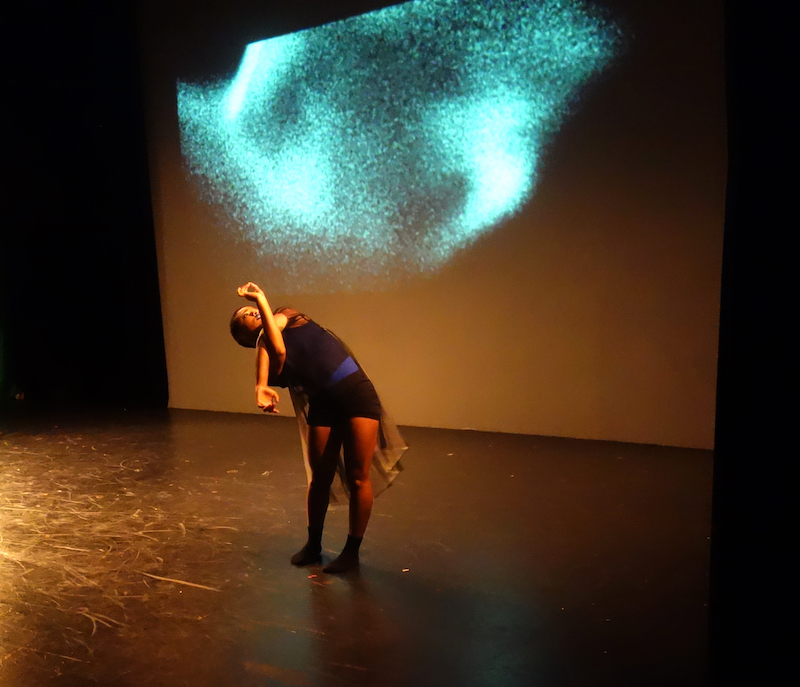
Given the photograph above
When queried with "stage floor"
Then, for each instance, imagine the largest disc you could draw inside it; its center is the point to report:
(153, 551)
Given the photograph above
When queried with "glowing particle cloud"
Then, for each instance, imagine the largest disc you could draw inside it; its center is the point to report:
(383, 144)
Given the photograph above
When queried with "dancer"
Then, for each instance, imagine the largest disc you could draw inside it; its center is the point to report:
(337, 408)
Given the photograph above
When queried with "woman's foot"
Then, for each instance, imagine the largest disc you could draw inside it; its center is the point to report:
(342, 563)
(347, 559)
(311, 553)
(308, 555)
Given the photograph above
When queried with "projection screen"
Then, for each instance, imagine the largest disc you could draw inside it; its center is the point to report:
(512, 211)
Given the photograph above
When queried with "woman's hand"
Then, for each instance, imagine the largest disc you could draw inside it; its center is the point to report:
(266, 399)
(250, 291)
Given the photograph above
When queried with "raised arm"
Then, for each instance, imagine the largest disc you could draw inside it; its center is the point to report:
(271, 337)
(270, 347)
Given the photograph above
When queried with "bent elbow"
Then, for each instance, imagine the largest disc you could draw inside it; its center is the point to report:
(275, 350)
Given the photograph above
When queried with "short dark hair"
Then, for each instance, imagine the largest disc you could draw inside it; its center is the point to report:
(243, 335)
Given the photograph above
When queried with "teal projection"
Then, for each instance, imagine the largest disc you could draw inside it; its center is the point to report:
(383, 144)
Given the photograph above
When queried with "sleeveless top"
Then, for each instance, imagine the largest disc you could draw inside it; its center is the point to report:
(315, 359)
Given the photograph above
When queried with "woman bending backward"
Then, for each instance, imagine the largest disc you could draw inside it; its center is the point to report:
(337, 407)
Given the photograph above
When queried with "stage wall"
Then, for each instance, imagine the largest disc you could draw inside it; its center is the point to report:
(590, 310)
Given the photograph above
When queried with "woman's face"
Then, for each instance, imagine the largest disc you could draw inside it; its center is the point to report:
(251, 318)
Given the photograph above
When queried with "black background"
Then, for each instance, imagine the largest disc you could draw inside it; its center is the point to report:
(81, 313)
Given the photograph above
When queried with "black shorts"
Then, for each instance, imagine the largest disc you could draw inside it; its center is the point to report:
(353, 396)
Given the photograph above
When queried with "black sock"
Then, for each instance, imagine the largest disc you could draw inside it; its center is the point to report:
(311, 552)
(315, 538)
(347, 559)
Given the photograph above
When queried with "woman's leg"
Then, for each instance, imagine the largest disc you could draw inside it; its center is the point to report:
(324, 444)
(360, 438)
(359, 446)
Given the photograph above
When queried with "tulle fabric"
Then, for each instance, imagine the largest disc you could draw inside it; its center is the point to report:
(385, 464)
(385, 460)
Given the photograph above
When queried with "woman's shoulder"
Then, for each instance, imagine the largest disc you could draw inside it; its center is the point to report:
(294, 318)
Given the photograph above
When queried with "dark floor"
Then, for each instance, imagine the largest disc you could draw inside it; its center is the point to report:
(153, 551)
